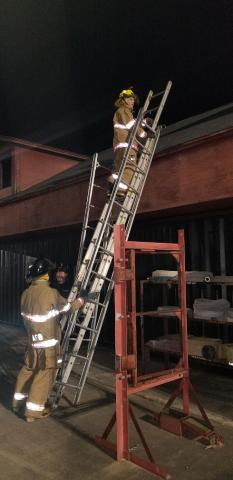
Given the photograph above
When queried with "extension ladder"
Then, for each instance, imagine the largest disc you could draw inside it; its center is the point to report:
(94, 271)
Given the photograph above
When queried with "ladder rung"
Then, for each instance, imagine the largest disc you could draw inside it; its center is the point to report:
(70, 385)
(139, 170)
(102, 220)
(123, 208)
(144, 150)
(131, 188)
(151, 110)
(140, 143)
(97, 208)
(106, 251)
(109, 225)
(88, 227)
(98, 275)
(157, 94)
(97, 260)
(77, 355)
(152, 130)
(99, 186)
(95, 303)
(89, 329)
(106, 168)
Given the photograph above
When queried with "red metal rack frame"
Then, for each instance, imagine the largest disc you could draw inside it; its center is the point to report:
(128, 382)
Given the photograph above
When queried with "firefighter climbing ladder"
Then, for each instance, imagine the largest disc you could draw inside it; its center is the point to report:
(95, 269)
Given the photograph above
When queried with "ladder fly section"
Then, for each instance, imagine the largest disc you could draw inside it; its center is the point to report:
(75, 287)
(95, 272)
(88, 206)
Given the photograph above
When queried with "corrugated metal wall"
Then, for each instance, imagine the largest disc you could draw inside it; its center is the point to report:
(59, 245)
(209, 243)
(17, 254)
(12, 280)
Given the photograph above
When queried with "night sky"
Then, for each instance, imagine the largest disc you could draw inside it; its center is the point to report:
(63, 63)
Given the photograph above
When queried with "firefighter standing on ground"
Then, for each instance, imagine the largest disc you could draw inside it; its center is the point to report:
(61, 279)
(123, 122)
(41, 306)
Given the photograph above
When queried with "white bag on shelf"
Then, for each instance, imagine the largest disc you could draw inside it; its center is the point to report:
(207, 309)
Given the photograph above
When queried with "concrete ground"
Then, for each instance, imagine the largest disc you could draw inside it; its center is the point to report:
(62, 446)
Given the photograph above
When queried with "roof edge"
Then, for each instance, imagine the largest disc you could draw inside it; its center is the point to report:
(40, 147)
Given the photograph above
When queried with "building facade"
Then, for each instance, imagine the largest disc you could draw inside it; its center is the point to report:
(190, 186)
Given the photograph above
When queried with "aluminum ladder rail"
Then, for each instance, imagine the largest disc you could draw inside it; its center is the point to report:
(96, 286)
(85, 226)
(83, 274)
(73, 293)
(98, 277)
(94, 166)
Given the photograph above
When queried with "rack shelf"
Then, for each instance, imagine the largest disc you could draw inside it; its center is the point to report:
(169, 312)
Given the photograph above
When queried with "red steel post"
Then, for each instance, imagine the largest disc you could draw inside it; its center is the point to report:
(184, 331)
(133, 316)
(122, 410)
(127, 380)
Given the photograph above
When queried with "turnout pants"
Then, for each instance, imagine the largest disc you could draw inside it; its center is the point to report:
(130, 165)
(35, 380)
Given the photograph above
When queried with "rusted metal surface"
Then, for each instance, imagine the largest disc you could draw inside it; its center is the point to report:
(121, 349)
(125, 363)
(127, 380)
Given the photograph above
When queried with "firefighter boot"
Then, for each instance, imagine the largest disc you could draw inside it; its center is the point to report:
(46, 413)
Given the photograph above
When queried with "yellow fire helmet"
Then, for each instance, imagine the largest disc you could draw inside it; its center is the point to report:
(128, 92)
